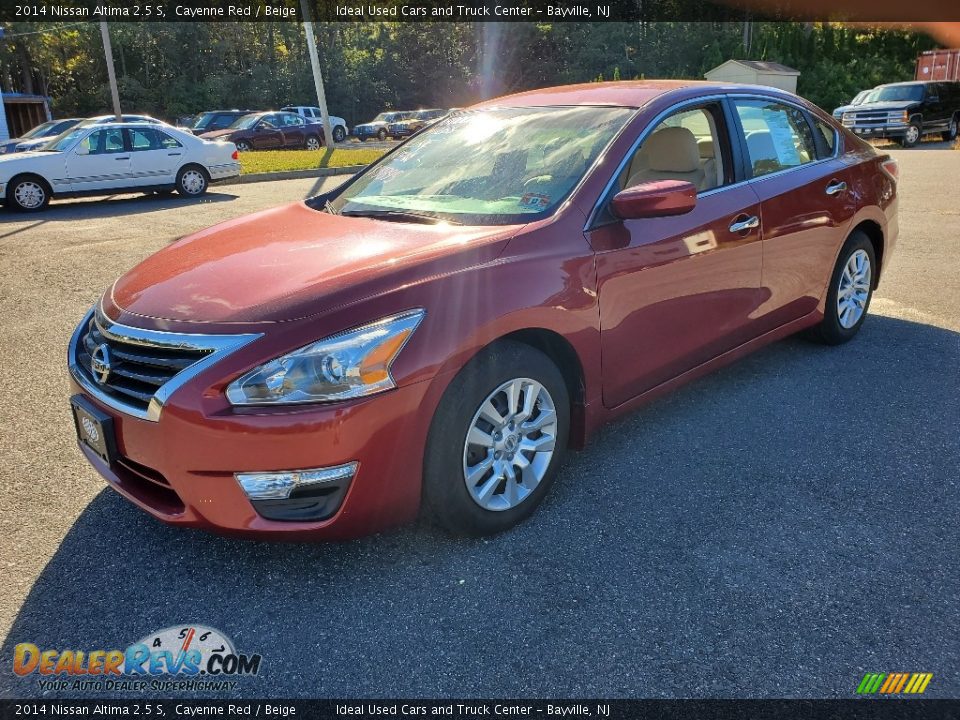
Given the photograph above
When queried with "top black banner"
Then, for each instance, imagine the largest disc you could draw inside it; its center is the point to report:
(868, 11)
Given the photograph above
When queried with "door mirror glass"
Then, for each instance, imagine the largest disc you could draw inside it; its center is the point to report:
(82, 149)
(661, 198)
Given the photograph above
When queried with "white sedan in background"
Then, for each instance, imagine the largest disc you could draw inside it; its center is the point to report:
(117, 157)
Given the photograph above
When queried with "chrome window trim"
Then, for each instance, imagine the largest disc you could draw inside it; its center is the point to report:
(218, 347)
(704, 99)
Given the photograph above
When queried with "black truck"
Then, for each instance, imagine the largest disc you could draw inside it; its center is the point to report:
(907, 111)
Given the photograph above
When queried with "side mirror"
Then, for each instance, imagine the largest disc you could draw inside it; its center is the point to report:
(82, 150)
(933, 99)
(661, 198)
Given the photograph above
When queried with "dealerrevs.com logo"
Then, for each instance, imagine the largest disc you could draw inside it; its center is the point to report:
(195, 656)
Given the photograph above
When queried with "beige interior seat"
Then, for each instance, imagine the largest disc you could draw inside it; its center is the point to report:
(708, 161)
(671, 154)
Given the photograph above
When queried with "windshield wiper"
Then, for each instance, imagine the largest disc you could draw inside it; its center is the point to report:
(399, 216)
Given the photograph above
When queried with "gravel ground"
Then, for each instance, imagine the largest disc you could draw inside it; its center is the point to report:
(774, 530)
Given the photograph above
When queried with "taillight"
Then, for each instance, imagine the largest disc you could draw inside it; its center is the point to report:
(891, 168)
(236, 155)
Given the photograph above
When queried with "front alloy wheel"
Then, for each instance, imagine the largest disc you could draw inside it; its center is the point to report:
(510, 444)
(28, 195)
(496, 440)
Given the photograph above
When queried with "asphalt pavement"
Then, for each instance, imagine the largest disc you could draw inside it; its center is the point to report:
(776, 529)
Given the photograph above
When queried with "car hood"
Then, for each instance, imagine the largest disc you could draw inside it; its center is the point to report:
(293, 262)
(218, 134)
(8, 160)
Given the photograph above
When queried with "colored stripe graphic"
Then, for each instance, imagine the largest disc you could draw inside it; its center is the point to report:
(894, 683)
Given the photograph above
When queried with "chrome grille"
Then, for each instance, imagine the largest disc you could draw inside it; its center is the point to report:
(136, 371)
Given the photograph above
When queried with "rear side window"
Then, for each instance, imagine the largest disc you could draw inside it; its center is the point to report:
(143, 139)
(778, 136)
(829, 136)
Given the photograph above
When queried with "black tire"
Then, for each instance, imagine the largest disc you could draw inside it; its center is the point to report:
(446, 499)
(188, 179)
(312, 142)
(381, 135)
(35, 184)
(243, 146)
(908, 142)
(830, 331)
(339, 134)
(953, 130)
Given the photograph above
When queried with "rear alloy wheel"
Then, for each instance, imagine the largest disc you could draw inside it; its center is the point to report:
(339, 134)
(192, 181)
(312, 143)
(496, 440)
(28, 194)
(912, 136)
(851, 288)
(243, 145)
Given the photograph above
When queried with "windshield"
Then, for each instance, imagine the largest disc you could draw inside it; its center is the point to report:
(896, 93)
(65, 140)
(245, 123)
(487, 167)
(39, 130)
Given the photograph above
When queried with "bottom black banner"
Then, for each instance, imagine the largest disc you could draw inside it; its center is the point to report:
(603, 709)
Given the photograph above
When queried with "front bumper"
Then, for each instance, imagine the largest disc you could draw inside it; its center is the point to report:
(879, 131)
(181, 468)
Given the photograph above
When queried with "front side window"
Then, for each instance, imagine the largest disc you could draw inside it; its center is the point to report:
(778, 136)
(101, 142)
(167, 142)
(689, 145)
(487, 167)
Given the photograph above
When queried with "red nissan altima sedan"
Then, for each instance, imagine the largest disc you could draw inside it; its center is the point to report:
(435, 333)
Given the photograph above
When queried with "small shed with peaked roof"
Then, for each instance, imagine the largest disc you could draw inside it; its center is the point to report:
(755, 72)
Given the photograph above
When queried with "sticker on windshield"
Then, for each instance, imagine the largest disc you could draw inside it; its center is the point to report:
(535, 201)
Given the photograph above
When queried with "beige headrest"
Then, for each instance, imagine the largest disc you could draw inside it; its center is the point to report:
(705, 147)
(673, 149)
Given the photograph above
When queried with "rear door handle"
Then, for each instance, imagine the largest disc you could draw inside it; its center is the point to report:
(835, 187)
(123, 158)
(748, 223)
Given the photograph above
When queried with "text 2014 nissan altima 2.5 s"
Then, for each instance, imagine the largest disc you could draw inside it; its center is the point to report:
(436, 332)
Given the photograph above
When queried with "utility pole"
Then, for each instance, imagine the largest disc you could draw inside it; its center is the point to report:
(4, 131)
(317, 77)
(111, 73)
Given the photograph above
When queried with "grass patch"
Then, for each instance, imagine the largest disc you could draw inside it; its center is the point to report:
(261, 161)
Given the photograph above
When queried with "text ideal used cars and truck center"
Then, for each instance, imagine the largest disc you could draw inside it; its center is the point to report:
(433, 334)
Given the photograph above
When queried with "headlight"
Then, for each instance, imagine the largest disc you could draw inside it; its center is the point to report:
(348, 365)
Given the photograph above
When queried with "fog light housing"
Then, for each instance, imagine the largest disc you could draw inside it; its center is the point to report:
(298, 495)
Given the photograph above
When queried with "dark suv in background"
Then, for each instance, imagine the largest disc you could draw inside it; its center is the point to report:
(215, 120)
(907, 111)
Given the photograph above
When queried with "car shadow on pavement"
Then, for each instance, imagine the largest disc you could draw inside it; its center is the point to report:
(762, 532)
(117, 205)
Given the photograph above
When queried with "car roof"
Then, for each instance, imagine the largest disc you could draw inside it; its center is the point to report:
(903, 84)
(626, 93)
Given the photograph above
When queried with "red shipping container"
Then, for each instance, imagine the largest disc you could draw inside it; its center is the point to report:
(941, 65)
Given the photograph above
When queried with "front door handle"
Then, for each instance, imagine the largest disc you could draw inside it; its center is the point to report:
(123, 158)
(747, 223)
(173, 154)
(835, 187)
